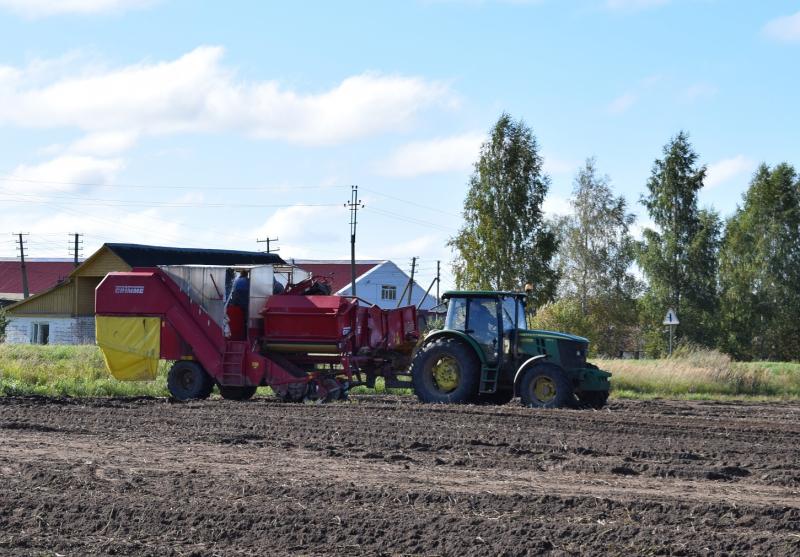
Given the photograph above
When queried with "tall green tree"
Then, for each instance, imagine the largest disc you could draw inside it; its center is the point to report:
(505, 242)
(596, 253)
(760, 269)
(597, 249)
(679, 259)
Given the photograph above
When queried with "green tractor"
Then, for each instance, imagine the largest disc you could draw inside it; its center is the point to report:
(485, 353)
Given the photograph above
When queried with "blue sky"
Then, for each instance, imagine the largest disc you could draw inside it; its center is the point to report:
(211, 124)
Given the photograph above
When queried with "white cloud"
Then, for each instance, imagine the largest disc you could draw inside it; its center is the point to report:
(623, 103)
(197, 93)
(447, 154)
(627, 5)
(785, 28)
(307, 232)
(103, 143)
(726, 169)
(556, 205)
(61, 174)
(43, 8)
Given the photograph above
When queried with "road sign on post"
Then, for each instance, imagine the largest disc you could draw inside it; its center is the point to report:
(671, 320)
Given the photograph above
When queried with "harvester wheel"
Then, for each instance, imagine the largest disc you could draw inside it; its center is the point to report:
(445, 371)
(188, 380)
(545, 386)
(236, 393)
(593, 399)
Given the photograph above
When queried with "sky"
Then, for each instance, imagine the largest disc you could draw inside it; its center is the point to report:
(214, 124)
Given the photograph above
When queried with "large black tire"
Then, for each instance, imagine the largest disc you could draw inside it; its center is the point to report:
(545, 386)
(593, 399)
(236, 393)
(188, 380)
(445, 371)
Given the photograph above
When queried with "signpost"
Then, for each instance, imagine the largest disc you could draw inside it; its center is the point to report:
(671, 320)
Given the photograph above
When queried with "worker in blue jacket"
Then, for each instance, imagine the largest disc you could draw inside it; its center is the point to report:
(236, 306)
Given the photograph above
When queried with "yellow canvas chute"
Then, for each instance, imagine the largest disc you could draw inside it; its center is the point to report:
(131, 346)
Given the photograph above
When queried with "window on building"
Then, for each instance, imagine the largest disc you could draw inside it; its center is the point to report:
(388, 292)
(40, 333)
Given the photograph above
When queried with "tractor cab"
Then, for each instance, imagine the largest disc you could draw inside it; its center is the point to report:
(490, 318)
(485, 352)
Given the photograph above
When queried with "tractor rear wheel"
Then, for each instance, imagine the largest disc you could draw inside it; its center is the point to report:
(445, 371)
(188, 380)
(236, 393)
(545, 386)
(593, 399)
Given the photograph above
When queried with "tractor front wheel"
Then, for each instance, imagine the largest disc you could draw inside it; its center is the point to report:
(445, 371)
(188, 380)
(545, 386)
(236, 393)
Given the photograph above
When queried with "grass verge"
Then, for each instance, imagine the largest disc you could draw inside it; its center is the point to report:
(689, 374)
(67, 371)
(699, 374)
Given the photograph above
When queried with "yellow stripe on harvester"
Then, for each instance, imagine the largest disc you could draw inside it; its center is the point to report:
(131, 346)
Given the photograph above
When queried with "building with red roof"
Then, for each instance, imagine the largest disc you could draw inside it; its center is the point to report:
(42, 275)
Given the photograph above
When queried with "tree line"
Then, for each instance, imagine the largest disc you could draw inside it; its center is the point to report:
(734, 282)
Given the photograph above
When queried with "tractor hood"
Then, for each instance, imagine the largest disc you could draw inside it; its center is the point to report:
(554, 335)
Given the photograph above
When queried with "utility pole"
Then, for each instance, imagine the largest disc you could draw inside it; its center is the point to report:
(268, 240)
(75, 248)
(438, 280)
(25, 292)
(411, 281)
(354, 205)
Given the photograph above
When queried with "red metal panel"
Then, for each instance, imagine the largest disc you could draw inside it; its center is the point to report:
(307, 318)
(153, 293)
(171, 346)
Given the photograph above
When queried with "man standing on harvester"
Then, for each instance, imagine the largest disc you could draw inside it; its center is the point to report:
(236, 307)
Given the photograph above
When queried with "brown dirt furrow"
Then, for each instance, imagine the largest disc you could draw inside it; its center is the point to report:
(388, 476)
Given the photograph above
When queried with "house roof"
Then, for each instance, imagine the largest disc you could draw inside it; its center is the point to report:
(137, 255)
(338, 270)
(42, 274)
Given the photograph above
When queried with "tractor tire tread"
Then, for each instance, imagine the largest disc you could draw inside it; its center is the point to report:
(467, 360)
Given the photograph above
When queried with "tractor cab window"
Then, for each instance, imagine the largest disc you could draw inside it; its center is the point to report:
(511, 313)
(482, 325)
(456, 314)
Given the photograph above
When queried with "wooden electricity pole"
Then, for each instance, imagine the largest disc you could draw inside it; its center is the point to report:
(268, 240)
(438, 280)
(75, 249)
(25, 292)
(354, 204)
(411, 280)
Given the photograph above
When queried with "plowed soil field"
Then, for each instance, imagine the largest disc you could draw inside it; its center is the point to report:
(388, 476)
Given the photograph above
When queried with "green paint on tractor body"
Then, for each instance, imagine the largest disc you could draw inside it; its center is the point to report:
(493, 324)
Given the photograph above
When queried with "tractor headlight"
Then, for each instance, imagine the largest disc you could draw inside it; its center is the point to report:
(507, 345)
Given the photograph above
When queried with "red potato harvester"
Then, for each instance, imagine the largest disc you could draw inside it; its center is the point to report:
(302, 343)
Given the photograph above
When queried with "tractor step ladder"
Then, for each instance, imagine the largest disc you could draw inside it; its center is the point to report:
(233, 362)
(488, 380)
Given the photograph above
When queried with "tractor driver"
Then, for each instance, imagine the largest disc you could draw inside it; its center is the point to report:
(483, 324)
(236, 306)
